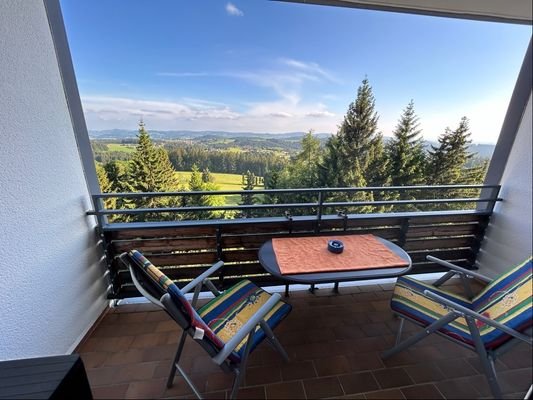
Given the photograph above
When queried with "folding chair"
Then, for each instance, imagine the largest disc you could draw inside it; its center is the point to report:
(229, 327)
(489, 323)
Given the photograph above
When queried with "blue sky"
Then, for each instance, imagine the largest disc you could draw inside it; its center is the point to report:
(266, 66)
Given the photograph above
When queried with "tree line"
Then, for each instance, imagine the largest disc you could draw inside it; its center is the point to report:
(356, 156)
(225, 161)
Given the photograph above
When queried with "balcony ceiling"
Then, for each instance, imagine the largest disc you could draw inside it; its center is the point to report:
(513, 11)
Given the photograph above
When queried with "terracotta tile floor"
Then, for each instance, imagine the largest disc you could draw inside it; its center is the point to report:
(334, 343)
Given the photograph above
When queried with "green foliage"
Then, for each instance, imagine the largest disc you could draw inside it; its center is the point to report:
(105, 186)
(452, 163)
(151, 171)
(406, 152)
(358, 135)
(197, 184)
(446, 162)
(206, 176)
(248, 198)
(225, 160)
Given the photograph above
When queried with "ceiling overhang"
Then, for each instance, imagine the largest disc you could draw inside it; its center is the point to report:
(509, 11)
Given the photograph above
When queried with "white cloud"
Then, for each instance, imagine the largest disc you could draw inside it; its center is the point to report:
(315, 70)
(281, 114)
(232, 10)
(320, 114)
(107, 112)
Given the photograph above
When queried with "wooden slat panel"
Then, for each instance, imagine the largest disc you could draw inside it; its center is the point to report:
(435, 219)
(442, 230)
(240, 255)
(255, 241)
(448, 255)
(243, 269)
(190, 231)
(259, 228)
(429, 244)
(183, 258)
(359, 222)
(149, 245)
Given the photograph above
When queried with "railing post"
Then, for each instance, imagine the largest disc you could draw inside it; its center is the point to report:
(319, 211)
(220, 255)
(404, 227)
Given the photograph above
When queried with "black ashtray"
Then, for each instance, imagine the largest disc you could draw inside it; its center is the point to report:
(335, 246)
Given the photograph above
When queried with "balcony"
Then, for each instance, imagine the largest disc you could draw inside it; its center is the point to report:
(57, 276)
(445, 221)
(333, 341)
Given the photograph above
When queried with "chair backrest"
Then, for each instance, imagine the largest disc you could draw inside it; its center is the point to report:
(507, 300)
(157, 284)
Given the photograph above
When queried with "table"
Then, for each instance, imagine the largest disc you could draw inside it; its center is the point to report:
(267, 258)
(57, 377)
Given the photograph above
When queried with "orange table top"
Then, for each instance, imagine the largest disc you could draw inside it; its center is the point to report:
(303, 255)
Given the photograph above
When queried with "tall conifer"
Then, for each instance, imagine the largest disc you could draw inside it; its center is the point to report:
(151, 171)
(405, 151)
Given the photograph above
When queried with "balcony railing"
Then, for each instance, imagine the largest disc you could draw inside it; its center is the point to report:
(446, 221)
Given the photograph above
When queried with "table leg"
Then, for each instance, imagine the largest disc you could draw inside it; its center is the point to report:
(336, 287)
(286, 290)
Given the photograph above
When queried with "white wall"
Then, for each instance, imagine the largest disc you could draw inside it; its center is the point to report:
(51, 285)
(508, 238)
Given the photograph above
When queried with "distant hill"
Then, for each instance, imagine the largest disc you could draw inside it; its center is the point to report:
(288, 141)
(169, 135)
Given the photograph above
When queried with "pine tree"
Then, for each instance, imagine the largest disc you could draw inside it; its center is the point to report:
(329, 170)
(105, 186)
(448, 164)
(305, 167)
(405, 151)
(151, 171)
(207, 176)
(358, 136)
(197, 184)
(248, 198)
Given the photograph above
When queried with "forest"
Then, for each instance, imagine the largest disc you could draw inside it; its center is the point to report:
(356, 156)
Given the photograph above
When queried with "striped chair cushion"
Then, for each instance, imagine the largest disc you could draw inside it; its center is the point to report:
(228, 312)
(178, 298)
(506, 300)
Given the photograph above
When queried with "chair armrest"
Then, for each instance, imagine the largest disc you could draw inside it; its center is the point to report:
(459, 309)
(200, 279)
(246, 329)
(458, 270)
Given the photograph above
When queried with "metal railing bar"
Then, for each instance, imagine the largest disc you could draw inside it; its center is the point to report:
(135, 211)
(289, 191)
(119, 226)
(402, 202)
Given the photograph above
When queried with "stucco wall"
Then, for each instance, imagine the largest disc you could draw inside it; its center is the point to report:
(508, 239)
(51, 286)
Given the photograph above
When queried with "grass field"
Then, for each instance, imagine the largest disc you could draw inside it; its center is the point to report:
(126, 148)
(223, 181)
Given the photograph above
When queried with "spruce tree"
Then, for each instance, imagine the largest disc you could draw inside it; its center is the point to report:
(207, 176)
(405, 151)
(248, 198)
(446, 162)
(105, 186)
(358, 136)
(350, 155)
(151, 171)
(329, 170)
(449, 164)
